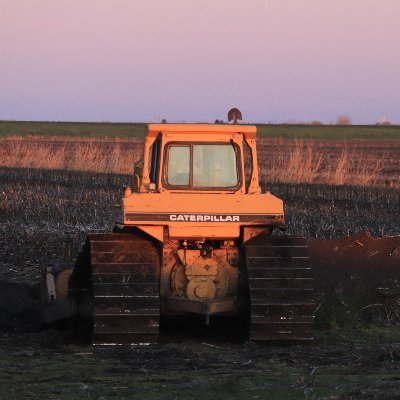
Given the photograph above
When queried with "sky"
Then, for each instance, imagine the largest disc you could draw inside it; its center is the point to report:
(192, 60)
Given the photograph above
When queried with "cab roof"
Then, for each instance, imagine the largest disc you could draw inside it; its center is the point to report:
(249, 131)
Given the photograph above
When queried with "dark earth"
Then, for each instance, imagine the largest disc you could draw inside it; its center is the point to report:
(355, 253)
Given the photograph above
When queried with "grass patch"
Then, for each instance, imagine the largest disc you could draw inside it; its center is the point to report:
(72, 129)
(42, 367)
(378, 334)
(126, 130)
(341, 132)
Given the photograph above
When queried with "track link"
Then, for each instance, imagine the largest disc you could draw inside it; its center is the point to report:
(125, 270)
(280, 286)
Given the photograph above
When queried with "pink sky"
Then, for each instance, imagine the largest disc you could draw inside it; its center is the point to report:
(192, 60)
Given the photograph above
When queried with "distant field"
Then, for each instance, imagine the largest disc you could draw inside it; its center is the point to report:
(342, 132)
(71, 129)
(126, 130)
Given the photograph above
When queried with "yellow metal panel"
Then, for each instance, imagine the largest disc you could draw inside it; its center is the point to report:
(197, 202)
(206, 129)
(200, 232)
(198, 215)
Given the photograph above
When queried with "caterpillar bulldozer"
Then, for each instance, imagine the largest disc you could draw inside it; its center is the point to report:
(193, 235)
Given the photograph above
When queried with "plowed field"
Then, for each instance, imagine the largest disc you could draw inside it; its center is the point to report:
(355, 251)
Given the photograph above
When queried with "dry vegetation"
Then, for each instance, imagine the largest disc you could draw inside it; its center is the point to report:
(295, 161)
(304, 161)
(83, 154)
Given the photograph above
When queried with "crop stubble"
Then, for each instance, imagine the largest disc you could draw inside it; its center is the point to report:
(45, 215)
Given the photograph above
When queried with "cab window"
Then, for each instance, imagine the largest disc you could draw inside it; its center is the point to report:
(202, 166)
(179, 165)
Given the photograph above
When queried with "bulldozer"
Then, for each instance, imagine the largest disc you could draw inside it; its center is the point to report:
(194, 235)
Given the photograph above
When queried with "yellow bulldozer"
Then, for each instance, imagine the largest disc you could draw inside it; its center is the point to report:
(193, 235)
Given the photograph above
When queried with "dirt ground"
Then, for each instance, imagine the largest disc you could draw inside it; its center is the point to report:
(356, 353)
(357, 278)
(338, 365)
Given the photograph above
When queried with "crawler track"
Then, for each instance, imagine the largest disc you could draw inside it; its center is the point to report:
(280, 285)
(125, 283)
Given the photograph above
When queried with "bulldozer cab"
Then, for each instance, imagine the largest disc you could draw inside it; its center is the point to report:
(199, 158)
(199, 181)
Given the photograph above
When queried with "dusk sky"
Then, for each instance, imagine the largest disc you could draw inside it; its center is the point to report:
(192, 60)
